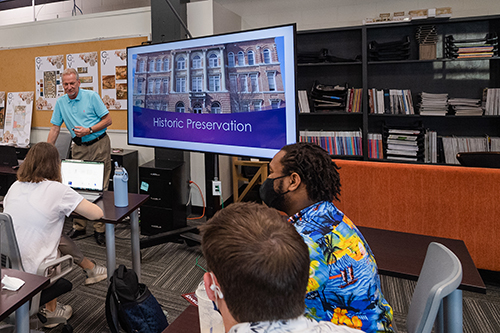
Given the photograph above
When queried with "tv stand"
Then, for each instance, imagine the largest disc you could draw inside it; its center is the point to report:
(187, 234)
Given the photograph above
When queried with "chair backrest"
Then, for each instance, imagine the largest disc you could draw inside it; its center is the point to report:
(441, 274)
(63, 144)
(11, 257)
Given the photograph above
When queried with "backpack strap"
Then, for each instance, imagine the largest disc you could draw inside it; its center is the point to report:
(120, 271)
(111, 307)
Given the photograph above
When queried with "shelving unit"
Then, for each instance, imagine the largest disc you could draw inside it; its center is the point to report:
(458, 77)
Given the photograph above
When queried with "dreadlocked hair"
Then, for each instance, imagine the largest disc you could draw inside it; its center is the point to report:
(316, 170)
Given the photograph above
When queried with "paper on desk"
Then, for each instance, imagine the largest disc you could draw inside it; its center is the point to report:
(12, 283)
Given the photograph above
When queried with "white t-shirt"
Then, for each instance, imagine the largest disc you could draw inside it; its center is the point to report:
(38, 212)
(297, 325)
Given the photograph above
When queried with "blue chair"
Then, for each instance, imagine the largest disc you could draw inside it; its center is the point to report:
(436, 298)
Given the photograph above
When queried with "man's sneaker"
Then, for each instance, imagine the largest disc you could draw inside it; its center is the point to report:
(96, 274)
(61, 311)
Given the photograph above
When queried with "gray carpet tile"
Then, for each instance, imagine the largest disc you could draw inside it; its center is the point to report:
(481, 312)
(170, 270)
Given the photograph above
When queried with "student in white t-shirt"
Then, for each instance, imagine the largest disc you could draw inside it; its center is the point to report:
(38, 203)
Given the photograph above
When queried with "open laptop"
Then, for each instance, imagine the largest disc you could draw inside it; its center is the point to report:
(85, 177)
(8, 156)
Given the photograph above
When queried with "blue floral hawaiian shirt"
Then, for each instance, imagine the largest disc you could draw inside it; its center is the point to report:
(344, 286)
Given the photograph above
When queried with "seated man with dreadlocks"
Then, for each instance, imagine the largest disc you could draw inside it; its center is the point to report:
(344, 286)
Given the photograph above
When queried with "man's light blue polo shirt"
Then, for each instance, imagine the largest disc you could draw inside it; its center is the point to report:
(85, 110)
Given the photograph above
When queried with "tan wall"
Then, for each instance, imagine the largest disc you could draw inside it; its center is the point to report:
(17, 71)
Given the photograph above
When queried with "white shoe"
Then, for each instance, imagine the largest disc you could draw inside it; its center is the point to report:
(61, 311)
(96, 274)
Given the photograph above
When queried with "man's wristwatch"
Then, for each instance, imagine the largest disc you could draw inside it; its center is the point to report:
(91, 131)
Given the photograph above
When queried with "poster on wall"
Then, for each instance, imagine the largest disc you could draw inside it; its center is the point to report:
(48, 81)
(19, 108)
(86, 66)
(2, 113)
(114, 79)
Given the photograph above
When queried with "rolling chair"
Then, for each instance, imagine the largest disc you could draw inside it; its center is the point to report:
(11, 258)
(63, 144)
(436, 298)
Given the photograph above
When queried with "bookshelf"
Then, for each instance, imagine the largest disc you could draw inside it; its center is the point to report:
(460, 78)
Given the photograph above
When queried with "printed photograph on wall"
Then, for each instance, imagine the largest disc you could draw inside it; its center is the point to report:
(18, 115)
(114, 79)
(86, 65)
(48, 81)
(2, 113)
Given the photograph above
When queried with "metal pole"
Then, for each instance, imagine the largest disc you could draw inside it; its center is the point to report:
(178, 18)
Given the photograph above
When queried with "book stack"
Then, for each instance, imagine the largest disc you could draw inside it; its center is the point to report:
(492, 102)
(494, 144)
(375, 146)
(433, 104)
(396, 50)
(431, 147)
(486, 47)
(404, 144)
(466, 106)
(354, 99)
(454, 145)
(427, 38)
(329, 98)
(303, 101)
(390, 101)
(335, 142)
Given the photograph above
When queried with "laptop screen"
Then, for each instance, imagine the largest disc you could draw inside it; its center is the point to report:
(83, 175)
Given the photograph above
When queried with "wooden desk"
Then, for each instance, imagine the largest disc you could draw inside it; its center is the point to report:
(187, 322)
(7, 170)
(402, 255)
(114, 215)
(18, 301)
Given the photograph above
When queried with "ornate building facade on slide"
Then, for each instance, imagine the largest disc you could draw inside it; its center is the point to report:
(225, 78)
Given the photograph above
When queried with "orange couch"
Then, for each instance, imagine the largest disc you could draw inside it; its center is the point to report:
(444, 201)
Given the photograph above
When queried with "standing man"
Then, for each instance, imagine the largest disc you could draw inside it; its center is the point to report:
(86, 118)
(344, 285)
(258, 271)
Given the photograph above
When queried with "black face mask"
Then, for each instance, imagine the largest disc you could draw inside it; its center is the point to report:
(270, 197)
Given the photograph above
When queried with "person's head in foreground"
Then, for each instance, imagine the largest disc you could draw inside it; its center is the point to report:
(259, 266)
(300, 175)
(259, 262)
(42, 162)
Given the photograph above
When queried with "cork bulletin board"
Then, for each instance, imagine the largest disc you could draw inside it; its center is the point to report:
(17, 71)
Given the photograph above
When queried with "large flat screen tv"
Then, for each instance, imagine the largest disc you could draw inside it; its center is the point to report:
(230, 94)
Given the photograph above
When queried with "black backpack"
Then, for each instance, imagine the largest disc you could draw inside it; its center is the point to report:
(132, 305)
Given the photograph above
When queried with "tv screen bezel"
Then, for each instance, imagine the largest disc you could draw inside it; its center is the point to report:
(288, 32)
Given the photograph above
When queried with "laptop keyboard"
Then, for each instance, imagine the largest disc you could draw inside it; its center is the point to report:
(91, 196)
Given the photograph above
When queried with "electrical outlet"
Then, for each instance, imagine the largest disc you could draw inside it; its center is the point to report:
(216, 188)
